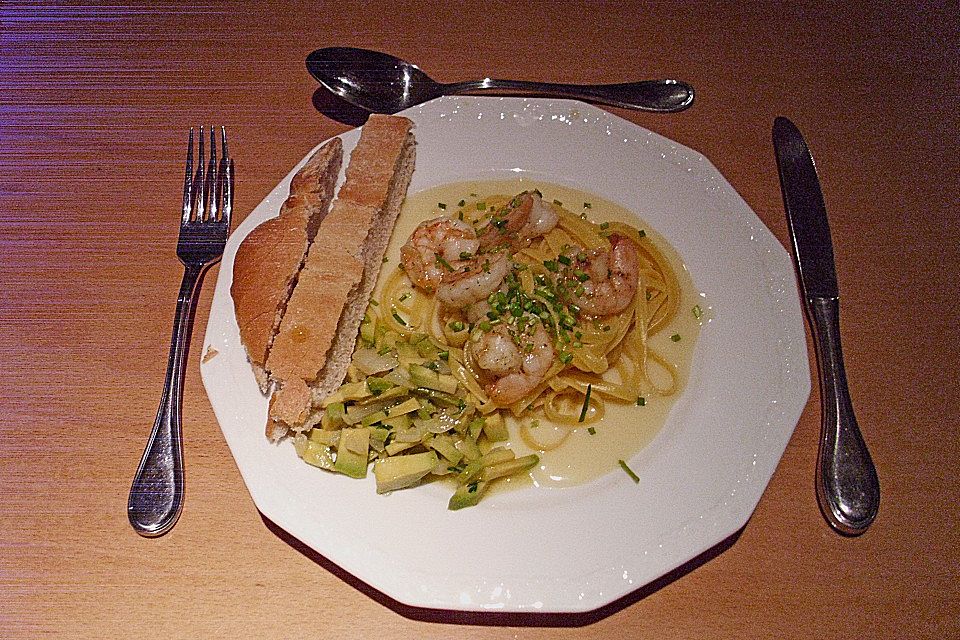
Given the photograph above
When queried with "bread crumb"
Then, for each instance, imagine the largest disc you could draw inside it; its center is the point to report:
(209, 355)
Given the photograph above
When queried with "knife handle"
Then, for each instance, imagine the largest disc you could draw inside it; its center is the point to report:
(847, 486)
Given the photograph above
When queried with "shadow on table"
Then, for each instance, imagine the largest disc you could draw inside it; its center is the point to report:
(503, 618)
(334, 107)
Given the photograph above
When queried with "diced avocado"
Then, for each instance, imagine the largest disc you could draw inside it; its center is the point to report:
(396, 447)
(509, 468)
(349, 391)
(423, 376)
(397, 423)
(469, 448)
(335, 413)
(368, 328)
(496, 428)
(430, 379)
(317, 454)
(378, 385)
(407, 406)
(407, 352)
(398, 472)
(467, 495)
(475, 427)
(373, 418)
(378, 438)
(325, 437)
(352, 452)
(445, 446)
(495, 456)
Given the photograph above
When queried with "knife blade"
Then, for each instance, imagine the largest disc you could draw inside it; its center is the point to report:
(848, 490)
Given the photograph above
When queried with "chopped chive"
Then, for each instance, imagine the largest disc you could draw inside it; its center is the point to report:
(675, 337)
(586, 404)
(604, 225)
(558, 203)
(550, 265)
(385, 259)
(564, 260)
(465, 255)
(697, 312)
(643, 234)
(374, 303)
(443, 355)
(456, 325)
(641, 401)
(404, 297)
(485, 326)
(591, 431)
(397, 317)
(567, 358)
(442, 205)
(587, 205)
(633, 476)
(461, 203)
(443, 263)
(481, 206)
(460, 216)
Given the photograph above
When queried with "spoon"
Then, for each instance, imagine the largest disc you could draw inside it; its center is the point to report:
(381, 83)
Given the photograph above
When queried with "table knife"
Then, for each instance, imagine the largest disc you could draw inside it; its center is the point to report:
(848, 489)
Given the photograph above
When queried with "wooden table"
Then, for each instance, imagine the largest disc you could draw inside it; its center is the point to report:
(95, 101)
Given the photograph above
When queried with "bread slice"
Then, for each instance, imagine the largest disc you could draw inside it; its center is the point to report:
(269, 259)
(319, 329)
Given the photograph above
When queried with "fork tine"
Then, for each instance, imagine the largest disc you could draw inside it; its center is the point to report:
(196, 193)
(187, 201)
(210, 182)
(228, 199)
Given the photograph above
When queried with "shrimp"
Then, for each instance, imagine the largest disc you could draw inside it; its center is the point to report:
(526, 217)
(613, 278)
(473, 280)
(517, 368)
(434, 248)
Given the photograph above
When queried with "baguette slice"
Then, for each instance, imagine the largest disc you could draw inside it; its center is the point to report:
(269, 259)
(317, 334)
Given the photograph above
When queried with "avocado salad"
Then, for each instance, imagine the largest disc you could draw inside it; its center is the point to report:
(406, 410)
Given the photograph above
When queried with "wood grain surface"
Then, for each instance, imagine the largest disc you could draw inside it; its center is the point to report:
(95, 102)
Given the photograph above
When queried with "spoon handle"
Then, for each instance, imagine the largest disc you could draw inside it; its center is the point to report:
(847, 486)
(663, 96)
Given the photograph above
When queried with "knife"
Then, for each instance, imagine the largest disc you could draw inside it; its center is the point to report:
(848, 490)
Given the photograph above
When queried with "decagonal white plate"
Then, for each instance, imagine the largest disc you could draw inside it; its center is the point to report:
(558, 549)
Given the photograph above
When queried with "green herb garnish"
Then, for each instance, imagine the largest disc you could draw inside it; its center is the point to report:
(586, 404)
(633, 476)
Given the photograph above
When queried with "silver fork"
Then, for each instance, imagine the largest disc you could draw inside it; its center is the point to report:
(156, 496)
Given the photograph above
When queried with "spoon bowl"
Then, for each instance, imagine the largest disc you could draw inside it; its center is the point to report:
(382, 83)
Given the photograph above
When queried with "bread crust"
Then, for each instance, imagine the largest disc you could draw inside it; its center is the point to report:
(269, 259)
(340, 270)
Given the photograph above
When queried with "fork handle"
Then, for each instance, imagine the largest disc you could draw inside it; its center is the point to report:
(156, 496)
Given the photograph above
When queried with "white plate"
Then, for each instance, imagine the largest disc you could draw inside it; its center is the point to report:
(563, 549)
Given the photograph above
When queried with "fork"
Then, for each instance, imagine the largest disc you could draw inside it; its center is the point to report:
(156, 496)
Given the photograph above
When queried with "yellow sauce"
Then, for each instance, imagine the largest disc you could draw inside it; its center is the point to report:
(625, 429)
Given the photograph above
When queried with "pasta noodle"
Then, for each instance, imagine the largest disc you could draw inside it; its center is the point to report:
(608, 357)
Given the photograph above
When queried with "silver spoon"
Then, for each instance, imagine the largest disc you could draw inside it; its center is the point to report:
(381, 83)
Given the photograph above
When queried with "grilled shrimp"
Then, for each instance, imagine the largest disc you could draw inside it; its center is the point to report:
(473, 280)
(524, 218)
(517, 368)
(613, 278)
(434, 249)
